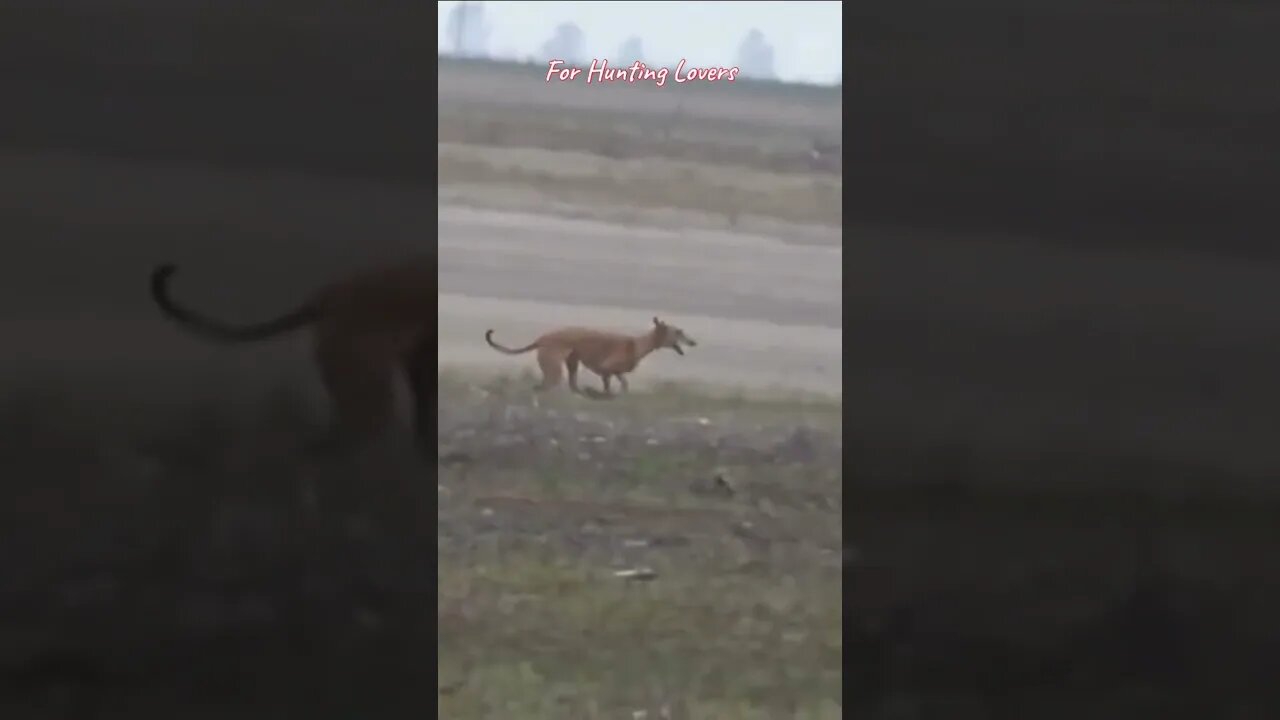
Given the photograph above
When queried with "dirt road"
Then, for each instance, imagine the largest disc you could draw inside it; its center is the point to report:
(89, 229)
(765, 313)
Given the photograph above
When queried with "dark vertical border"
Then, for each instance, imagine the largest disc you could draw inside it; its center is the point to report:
(1132, 144)
(430, 88)
(852, 674)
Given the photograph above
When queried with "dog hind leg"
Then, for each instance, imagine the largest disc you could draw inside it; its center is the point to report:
(549, 361)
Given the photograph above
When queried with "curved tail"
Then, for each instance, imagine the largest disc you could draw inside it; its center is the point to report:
(216, 329)
(488, 337)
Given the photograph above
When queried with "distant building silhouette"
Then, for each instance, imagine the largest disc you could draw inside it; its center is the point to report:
(565, 43)
(755, 57)
(467, 30)
(631, 51)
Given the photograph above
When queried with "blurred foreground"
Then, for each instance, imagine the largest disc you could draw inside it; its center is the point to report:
(189, 557)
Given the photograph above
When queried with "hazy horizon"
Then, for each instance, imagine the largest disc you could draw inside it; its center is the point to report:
(806, 36)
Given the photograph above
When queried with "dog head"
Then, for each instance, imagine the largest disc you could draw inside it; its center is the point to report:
(670, 336)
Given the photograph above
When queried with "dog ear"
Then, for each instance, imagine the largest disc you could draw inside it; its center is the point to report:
(656, 321)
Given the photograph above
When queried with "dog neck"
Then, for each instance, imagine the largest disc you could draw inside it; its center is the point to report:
(646, 343)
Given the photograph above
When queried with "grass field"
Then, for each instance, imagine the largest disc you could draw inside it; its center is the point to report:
(734, 505)
(601, 186)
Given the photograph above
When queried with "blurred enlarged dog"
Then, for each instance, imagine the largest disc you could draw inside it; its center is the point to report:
(366, 327)
(607, 354)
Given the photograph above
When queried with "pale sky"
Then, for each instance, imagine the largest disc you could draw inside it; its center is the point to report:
(806, 36)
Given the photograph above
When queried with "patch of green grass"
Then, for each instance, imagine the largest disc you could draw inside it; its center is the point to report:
(742, 617)
(612, 135)
(651, 183)
(662, 399)
(559, 636)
